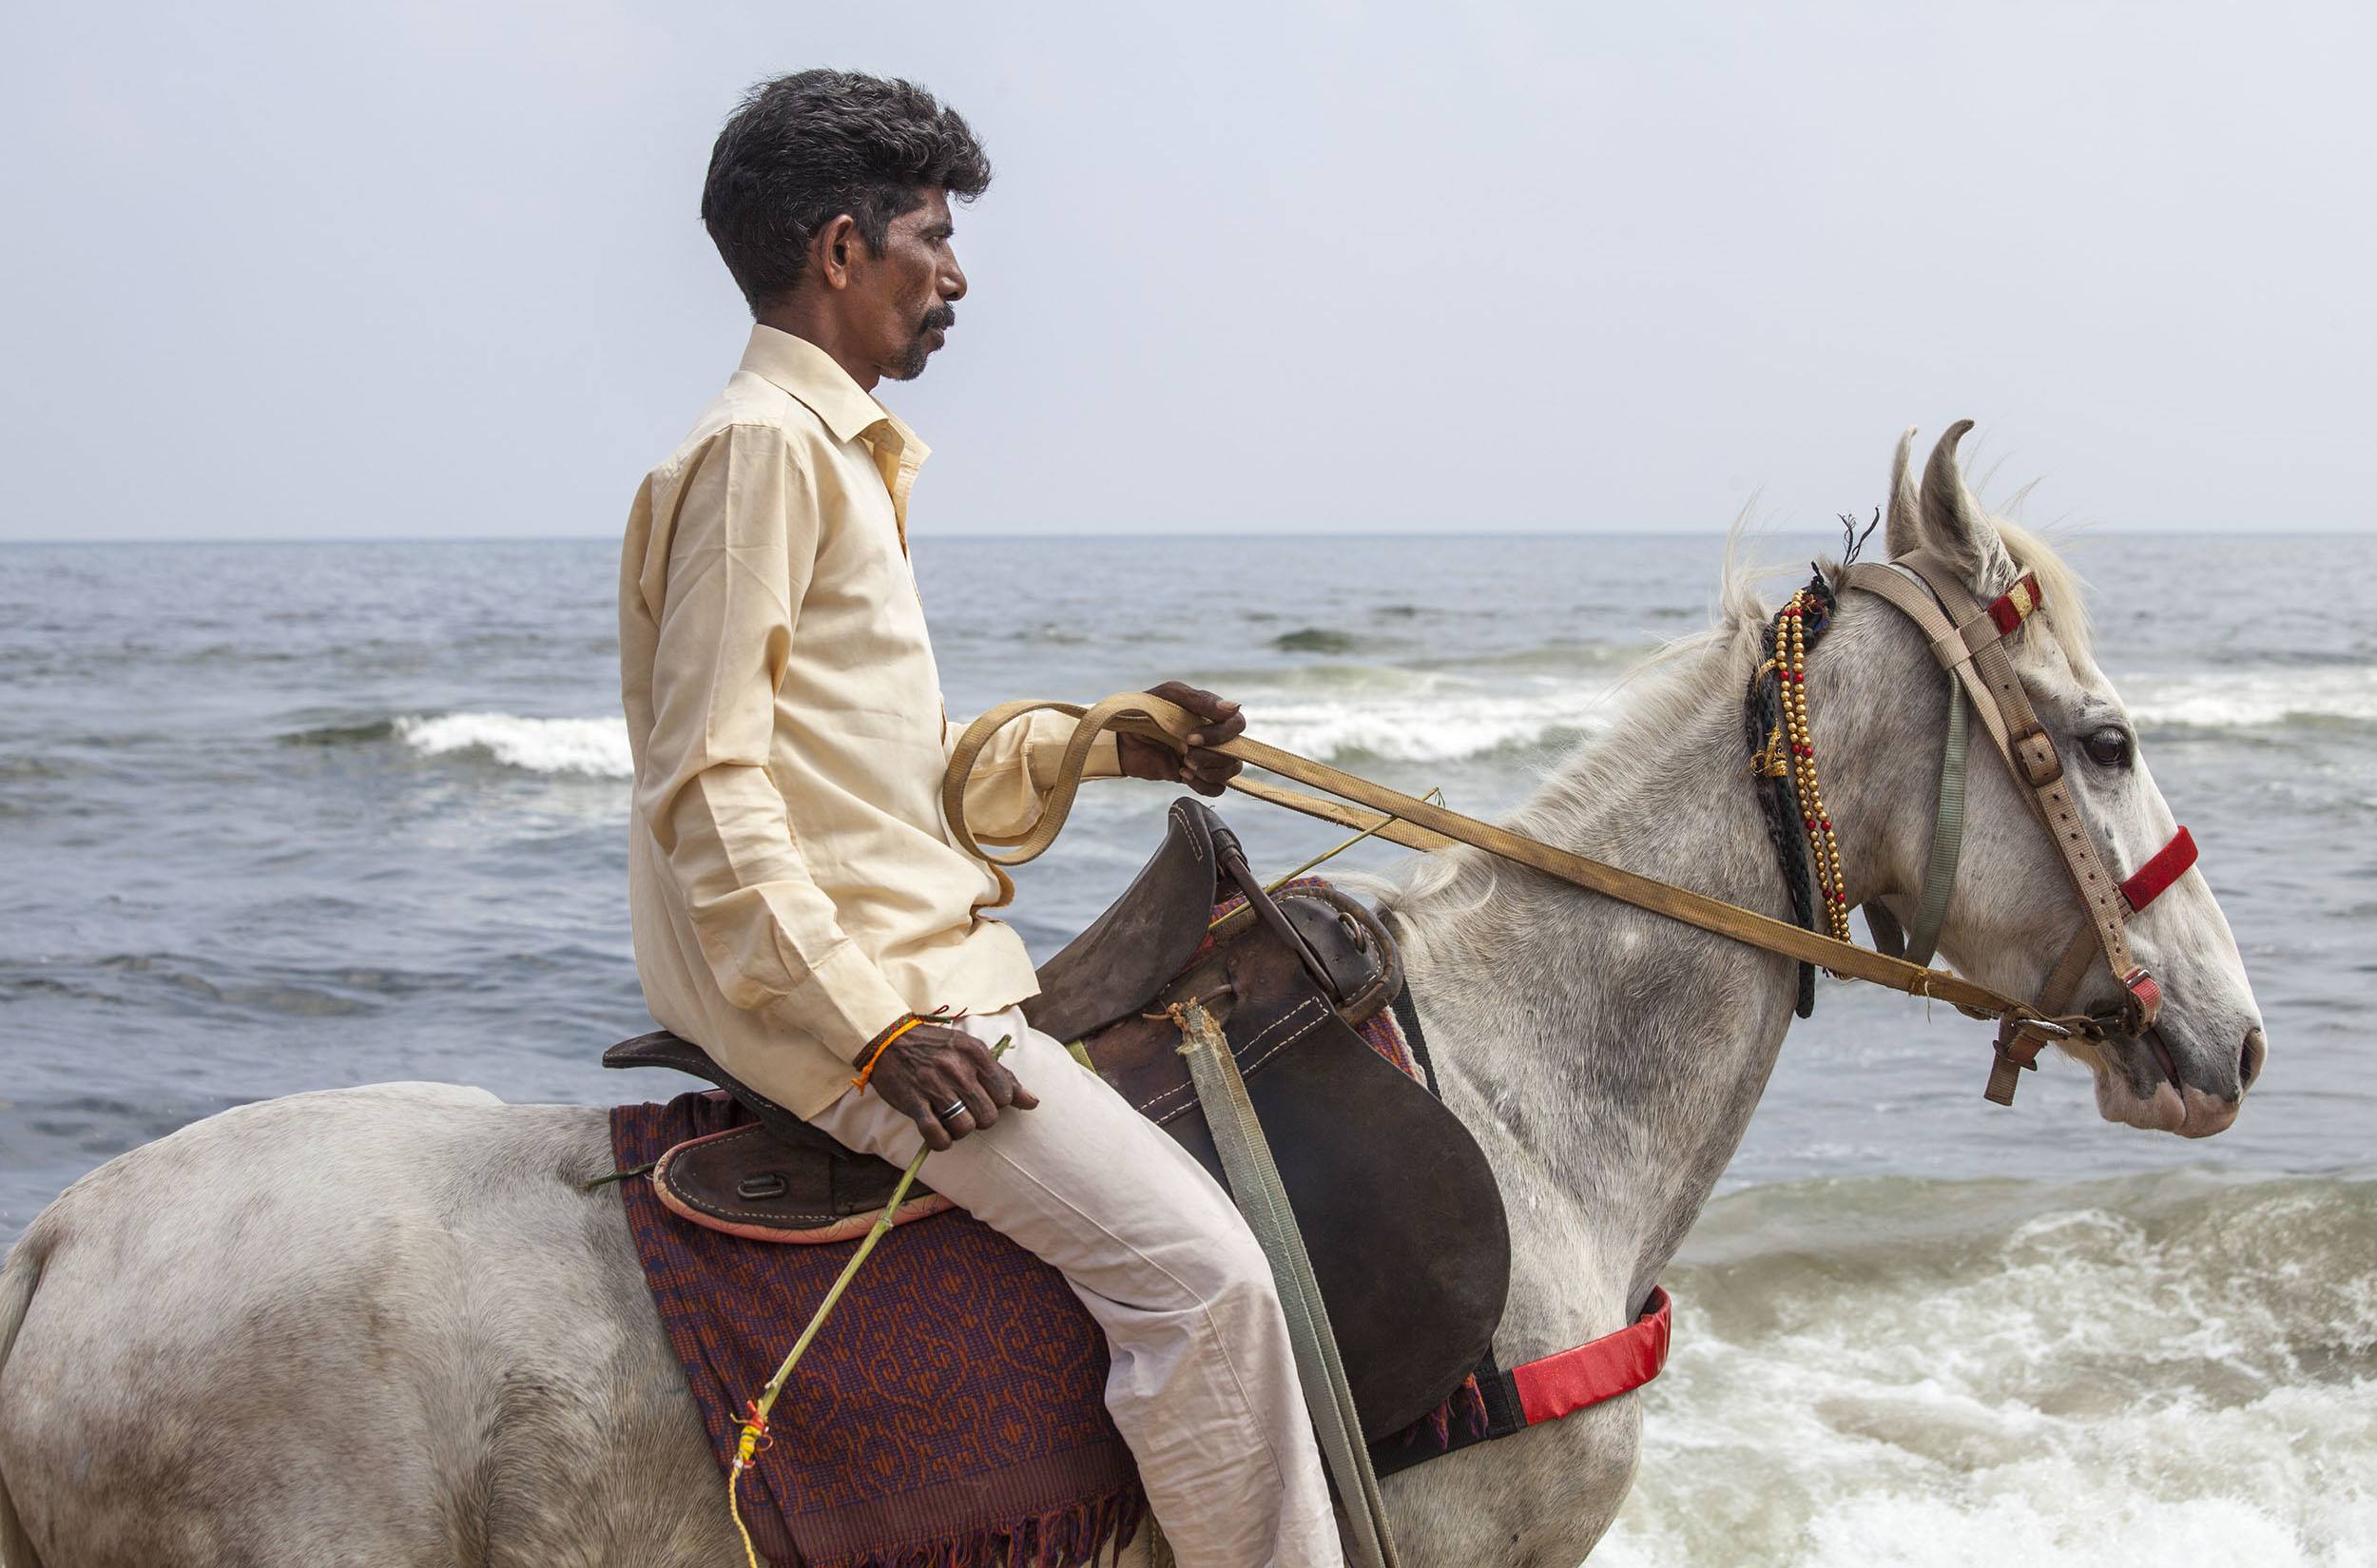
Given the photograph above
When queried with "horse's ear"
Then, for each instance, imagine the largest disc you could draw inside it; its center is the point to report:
(1954, 526)
(1903, 536)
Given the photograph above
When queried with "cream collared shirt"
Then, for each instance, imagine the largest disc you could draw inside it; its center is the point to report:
(792, 884)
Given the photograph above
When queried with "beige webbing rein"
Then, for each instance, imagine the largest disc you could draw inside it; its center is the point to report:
(1418, 825)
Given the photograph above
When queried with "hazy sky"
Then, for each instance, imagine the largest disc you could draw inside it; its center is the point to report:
(361, 269)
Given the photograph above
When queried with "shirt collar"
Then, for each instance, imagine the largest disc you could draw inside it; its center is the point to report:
(821, 386)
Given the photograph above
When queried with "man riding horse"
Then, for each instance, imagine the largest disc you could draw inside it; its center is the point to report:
(800, 909)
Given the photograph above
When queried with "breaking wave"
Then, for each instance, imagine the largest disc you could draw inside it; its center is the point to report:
(1450, 728)
(1350, 713)
(589, 748)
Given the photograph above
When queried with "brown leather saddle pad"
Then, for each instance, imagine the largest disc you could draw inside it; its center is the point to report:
(1398, 1209)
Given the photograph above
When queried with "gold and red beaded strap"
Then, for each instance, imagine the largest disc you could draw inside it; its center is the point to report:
(1799, 737)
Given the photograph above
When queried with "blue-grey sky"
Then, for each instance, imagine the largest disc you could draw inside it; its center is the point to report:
(372, 269)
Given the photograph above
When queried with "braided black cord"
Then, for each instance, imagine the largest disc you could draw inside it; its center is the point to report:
(1779, 800)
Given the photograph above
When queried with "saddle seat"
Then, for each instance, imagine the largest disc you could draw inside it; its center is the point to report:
(1398, 1209)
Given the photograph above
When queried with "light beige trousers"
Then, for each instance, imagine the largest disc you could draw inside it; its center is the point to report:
(1204, 1381)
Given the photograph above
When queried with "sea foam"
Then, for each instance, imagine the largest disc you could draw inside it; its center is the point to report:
(2152, 1372)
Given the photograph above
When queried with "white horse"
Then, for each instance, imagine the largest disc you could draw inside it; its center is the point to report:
(391, 1326)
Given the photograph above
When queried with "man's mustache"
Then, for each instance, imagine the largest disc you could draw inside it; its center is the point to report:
(940, 318)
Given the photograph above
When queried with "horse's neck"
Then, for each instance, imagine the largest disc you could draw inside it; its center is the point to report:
(1607, 1058)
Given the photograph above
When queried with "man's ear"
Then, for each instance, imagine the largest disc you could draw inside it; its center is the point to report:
(836, 250)
(1954, 526)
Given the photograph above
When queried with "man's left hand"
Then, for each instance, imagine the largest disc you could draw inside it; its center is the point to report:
(1203, 769)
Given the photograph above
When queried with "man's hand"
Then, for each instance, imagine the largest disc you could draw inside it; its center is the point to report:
(1203, 769)
(937, 1068)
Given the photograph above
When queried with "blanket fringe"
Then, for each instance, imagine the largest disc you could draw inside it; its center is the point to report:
(1073, 1536)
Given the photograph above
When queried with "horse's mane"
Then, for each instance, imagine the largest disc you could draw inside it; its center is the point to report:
(1689, 677)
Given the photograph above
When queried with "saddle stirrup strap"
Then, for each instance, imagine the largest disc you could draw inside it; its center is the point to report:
(1254, 1182)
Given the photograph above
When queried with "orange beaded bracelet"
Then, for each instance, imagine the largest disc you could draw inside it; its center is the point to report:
(868, 1071)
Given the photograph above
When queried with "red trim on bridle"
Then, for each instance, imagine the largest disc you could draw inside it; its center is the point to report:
(2151, 881)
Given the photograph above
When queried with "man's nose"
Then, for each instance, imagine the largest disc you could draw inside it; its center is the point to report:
(953, 282)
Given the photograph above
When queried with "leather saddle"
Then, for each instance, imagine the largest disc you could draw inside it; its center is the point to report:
(1398, 1209)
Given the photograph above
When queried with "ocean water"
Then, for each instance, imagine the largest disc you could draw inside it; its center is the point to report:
(278, 817)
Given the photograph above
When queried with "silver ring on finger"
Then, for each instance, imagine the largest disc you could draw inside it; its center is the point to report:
(951, 1111)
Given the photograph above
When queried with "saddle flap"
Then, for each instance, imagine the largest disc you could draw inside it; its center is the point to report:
(1146, 937)
(1401, 1215)
(1400, 1210)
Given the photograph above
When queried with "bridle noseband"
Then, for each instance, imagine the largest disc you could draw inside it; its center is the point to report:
(1969, 640)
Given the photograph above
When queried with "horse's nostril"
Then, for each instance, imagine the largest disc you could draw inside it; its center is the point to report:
(2249, 1060)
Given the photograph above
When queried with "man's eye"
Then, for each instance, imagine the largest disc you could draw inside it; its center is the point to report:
(2110, 748)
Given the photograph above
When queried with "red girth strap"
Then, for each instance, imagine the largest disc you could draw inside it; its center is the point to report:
(1537, 1391)
(2168, 864)
(1615, 1363)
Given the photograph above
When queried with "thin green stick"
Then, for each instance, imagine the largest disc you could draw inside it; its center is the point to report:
(756, 1427)
(1436, 796)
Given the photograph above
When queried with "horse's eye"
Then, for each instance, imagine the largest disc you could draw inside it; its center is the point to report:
(2109, 747)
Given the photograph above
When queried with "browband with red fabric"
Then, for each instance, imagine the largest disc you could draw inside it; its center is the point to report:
(2012, 607)
(2151, 881)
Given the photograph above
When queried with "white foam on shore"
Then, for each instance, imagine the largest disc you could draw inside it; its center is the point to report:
(2136, 1386)
(589, 748)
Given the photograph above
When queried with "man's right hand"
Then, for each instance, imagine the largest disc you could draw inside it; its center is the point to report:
(937, 1067)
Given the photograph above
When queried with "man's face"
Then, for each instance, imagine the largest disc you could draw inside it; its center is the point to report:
(903, 295)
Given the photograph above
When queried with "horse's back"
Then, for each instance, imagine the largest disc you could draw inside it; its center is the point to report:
(386, 1325)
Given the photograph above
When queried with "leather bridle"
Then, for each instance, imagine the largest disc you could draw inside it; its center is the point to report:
(1970, 640)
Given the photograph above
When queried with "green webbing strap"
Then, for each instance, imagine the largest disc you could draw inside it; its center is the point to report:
(1254, 1182)
(1947, 834)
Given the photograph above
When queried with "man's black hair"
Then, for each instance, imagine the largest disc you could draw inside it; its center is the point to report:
(802, 149)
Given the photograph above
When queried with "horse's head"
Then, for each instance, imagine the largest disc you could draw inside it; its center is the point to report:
(2015, 912)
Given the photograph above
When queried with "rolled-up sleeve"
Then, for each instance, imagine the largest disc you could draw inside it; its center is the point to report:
(1010, 780)
(743, 544)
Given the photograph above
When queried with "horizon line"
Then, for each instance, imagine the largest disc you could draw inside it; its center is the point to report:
(2339, 531)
